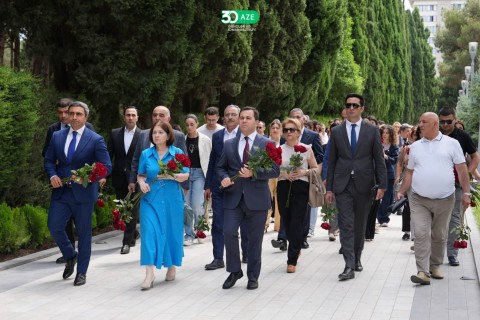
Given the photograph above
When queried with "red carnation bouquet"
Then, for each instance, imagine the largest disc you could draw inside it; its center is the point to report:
(87, 174)
(262, 159)
(296, 161)
(328, 214)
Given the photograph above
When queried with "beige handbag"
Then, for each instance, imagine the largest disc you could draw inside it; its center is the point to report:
(316, 189)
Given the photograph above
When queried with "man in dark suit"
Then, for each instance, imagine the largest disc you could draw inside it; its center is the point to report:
(162, 114)
(355, 165)
(312, 138)
(247, 199)
(63, 122)
(121, 146)
(215, 194)
(70, 149)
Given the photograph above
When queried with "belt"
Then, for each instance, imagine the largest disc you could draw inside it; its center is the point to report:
(68, 185)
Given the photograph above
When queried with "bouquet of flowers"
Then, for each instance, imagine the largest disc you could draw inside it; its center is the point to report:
(202, 226)
(123, 212)
(87, 174)
(463, 230)
(328, 213)
(101, 199)
(262, 159)
(295, 162)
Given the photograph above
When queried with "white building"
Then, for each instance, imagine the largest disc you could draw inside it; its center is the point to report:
(431, 13)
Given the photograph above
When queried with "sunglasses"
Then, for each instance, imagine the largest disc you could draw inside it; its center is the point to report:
(285, 130)
(354, 105)
(446, 121)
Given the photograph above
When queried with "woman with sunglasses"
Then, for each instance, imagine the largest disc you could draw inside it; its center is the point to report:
(292, 189)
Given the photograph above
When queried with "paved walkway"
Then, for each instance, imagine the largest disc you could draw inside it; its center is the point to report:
(35, 289)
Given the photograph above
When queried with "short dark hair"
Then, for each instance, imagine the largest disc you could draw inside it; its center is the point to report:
(211, 111)
(446, 111)
(256, 115)
(356, 95)
(129, 107)
(63, 103)
(168, 130)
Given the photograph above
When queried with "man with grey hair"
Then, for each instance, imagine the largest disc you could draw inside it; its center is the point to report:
(404, 133)
(68, 150)
(433, 194)
(63, 123)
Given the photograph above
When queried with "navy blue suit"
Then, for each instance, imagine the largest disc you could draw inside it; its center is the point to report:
(213, 183)
(247, 200)
(75, 201)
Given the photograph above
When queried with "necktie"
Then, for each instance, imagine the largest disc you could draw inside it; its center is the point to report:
(353, 139)
(245, 152)
(71, 146)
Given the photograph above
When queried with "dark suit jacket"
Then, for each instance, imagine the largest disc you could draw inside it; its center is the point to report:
(144, 143)
(55, 127)
(367, 163)
(91, 148)
(256, 191)
(391, 162)
(122, 162)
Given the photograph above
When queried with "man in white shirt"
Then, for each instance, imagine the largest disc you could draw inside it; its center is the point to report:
(430, 175)
(211, 126)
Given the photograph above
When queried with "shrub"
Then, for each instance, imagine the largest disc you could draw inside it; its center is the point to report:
(13, 229)
(37, 218)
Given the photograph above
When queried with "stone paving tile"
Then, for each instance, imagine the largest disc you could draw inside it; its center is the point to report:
(382, 291)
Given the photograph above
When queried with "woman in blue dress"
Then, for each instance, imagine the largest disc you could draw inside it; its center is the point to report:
(161, 207)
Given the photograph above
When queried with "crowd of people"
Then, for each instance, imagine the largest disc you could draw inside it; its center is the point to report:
(366, 165)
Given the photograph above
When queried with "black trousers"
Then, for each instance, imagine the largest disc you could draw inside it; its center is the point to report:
(293, 216)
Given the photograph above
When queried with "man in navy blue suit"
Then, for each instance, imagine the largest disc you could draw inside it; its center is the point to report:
(215, 194)
(70, 149)
(312, 138)
(248, 199)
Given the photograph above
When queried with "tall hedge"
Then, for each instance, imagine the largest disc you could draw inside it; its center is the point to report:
(18, 105)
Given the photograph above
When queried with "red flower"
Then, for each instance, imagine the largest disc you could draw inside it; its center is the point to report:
(183, 159)
(460, 244)
(274, 153)
(92, 177)
(326, 226)
(200, 234)
(100, 203)
(172, 165)
(473, 204)
(408, 151)
(299, 148)
(99, 170)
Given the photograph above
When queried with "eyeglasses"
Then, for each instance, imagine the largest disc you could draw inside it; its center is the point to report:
(354, 105)
(285, 130)
(446, 121)
(259, 128)
(231, 115)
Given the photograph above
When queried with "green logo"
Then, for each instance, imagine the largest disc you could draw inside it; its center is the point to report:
(240, 16)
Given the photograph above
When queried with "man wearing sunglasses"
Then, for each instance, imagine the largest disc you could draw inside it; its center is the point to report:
(447, 117)
(355, 165)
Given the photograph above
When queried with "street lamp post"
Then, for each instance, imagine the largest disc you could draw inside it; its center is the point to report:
(467, 76)
(464, 86)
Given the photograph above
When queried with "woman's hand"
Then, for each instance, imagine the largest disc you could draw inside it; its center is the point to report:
(144, 187)
(299, 173)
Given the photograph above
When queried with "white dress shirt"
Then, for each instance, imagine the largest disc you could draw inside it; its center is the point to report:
(230, 135)
(242, 142)
(70, 137)
(128, 137)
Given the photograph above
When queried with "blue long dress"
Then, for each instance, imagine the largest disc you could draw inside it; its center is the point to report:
(161, 213)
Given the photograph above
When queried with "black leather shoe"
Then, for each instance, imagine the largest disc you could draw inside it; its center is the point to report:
(347, 274)
(252, 284)
(60, 260)
(244, 258)
(125, 249)
(280, 244)
(70, 267)
(305, 245)
(453, 261)
(80, 279)
(215, 264)
(232, 279)
(358, 266)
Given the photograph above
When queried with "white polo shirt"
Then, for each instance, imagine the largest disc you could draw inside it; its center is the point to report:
(432, 162)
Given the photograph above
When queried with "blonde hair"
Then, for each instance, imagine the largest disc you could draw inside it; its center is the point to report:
(293, 121)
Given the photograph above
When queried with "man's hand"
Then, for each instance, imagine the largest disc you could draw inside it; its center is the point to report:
(400, 195)
(131, 187)
(380, 193)
(329, 197)
(245, 172)
(226, 182)
(466, 200)
(56, 182)
(207, 194)
(102, 182)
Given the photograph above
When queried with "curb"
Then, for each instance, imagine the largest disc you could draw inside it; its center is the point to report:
(49, 252)
(474, 241)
